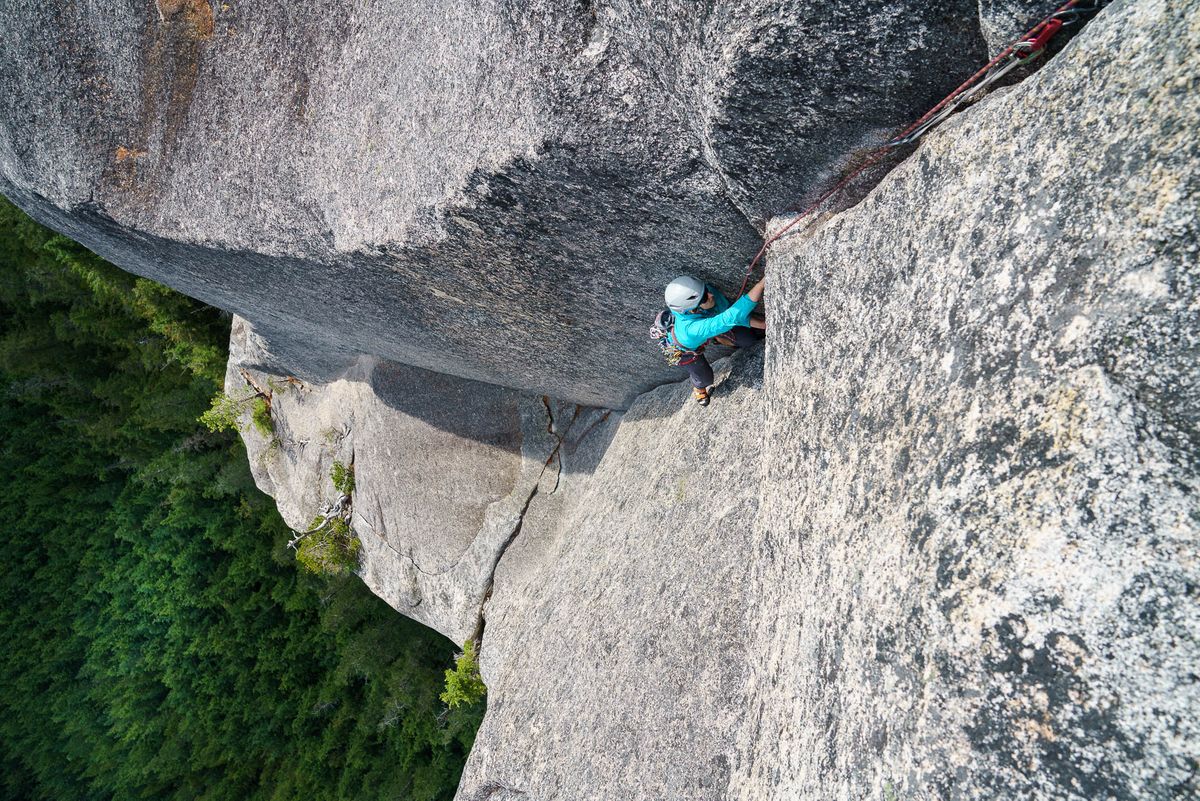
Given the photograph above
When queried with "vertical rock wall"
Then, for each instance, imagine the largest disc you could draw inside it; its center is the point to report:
(947, 549)
(977, 572)
(495, 190)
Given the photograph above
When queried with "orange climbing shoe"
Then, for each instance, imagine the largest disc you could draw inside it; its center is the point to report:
(700, 395)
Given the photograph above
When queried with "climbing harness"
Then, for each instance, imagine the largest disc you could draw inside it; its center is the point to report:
(663, 333)
(1024, 50)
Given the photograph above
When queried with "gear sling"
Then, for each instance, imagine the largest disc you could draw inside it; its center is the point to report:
(663, 333)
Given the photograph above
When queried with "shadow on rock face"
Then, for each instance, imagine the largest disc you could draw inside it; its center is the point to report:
(496, 191)
(733, 369)
(480, 412)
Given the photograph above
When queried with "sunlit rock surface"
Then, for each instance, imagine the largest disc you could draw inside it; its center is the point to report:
(445, 470)
(977, 539)
(949, 548)
(616, 669)
(497, 190)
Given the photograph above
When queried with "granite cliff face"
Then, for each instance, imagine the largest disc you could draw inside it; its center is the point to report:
(446, 470)
(937, 540)
(489, 189)
(967, 548)
(978, 534)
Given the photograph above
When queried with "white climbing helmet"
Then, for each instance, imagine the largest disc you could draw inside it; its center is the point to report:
(684, 293)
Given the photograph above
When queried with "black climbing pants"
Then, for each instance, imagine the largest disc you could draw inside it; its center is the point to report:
(700, 371)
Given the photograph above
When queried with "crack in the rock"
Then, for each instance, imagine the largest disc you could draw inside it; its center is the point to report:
(595, 424)
(491, 788)
(708, 153)
(477, 636)
(382, 539)
(449, 569)
(557, 478)
(516, 530)
(549, 418)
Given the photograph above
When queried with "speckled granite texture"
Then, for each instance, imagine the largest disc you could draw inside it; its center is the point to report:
(977, 539)
(948, 550)
(936, 540)
(496, 190)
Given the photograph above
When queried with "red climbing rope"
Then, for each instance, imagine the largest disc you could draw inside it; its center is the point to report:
(1018, 52)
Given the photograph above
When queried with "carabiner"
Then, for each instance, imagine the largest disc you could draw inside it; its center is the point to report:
(1035, 44)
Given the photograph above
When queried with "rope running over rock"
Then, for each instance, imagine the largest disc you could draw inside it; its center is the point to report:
(1020, 51)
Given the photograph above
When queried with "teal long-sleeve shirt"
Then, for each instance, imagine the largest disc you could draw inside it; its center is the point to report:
(693, 329)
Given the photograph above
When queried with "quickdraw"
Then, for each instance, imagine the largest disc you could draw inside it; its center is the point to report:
(1024, 50)
(1020, 53)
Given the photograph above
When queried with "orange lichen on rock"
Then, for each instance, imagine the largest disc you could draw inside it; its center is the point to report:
(198, 15)
(125, 153)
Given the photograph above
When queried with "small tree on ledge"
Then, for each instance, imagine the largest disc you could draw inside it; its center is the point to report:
(329, 546)
(226, 411)
(464, 685)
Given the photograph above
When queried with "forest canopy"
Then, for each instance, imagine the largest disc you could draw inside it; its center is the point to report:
(158, 640)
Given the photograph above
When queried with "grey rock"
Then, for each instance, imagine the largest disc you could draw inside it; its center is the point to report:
(496, 191)
(444, 469)
(945, 546)
(977, 538)
(615, 657)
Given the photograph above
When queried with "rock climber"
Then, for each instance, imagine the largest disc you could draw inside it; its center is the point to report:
(703, 315)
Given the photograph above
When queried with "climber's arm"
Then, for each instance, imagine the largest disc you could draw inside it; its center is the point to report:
(708, 327)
